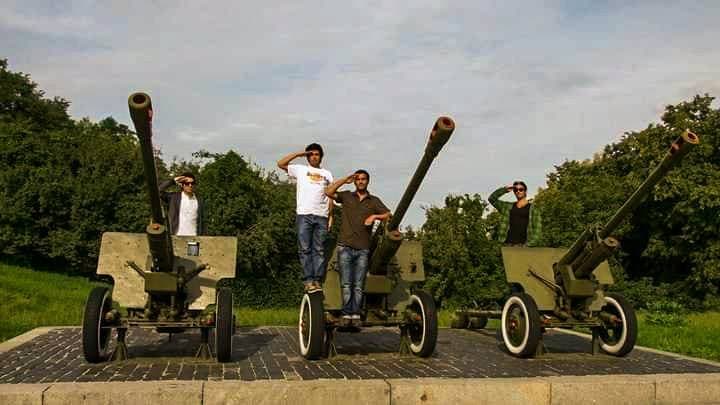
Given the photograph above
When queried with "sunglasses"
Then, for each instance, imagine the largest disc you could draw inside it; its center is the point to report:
(517, 189)
(188, 183)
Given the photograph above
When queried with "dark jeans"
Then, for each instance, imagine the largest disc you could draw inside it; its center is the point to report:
(312, 232)
(353, 265)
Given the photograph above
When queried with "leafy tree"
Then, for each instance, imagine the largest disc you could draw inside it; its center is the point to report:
(462, 263)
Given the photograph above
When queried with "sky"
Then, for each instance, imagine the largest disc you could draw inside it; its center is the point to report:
(529, 84)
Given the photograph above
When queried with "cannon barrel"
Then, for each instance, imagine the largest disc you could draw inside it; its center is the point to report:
(390, 241)
(594, 246)
(158, 236)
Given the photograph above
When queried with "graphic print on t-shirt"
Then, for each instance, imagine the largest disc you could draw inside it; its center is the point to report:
(317, 178)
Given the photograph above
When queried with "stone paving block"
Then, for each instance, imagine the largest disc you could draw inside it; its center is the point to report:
(475, 391)
(688, 388)
(316, 392)
(22, 394)
(125, 393)
(615, 390)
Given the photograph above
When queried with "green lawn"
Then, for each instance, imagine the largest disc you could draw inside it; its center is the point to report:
(29, 299)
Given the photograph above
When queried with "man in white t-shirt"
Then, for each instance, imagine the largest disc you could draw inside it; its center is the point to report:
(314, 212)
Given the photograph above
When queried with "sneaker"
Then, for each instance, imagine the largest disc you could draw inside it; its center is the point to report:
(346, 316)
(317, 286)
(355, 317)
(309, 286)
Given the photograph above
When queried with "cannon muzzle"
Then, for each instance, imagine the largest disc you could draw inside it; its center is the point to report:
(595, 245)
(389, 243)
(158, 236)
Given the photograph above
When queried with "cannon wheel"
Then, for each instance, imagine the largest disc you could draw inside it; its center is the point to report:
(311, 326)
(423, 334)
(520, 325)
(224, 325)
(459, 321)
(619, 340)
(478, 322)
(95, 339)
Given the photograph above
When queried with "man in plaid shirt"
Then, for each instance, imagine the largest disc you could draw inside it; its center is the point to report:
(522, 226)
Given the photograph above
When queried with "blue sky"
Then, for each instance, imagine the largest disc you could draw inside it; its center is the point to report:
(528, 84)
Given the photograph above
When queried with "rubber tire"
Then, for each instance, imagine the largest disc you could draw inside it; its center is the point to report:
(459, 321)
(95, 341)
(528, 347)
(477, 322)
(426, 346)
(224, 325)
(627, 313)
(313, 304)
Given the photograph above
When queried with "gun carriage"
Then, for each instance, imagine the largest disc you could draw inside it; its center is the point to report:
(160, 281)
(566, 288)
(390, 297)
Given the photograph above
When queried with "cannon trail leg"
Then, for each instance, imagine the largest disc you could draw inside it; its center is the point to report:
(203, 351)
(595, 341)
(404, 340)
(120, 352)
(330, 350)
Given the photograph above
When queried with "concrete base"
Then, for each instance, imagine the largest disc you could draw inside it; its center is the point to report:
(616, 389)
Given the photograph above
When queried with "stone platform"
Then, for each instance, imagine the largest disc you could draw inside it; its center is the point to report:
(271, 353)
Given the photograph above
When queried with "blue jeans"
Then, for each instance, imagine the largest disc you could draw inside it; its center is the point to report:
(353, 265)
(312, 232)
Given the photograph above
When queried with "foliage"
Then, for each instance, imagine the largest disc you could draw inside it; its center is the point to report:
(462, 263)
(666, 313)
(63, 182)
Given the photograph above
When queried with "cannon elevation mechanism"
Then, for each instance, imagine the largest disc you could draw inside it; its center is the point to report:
(160, 281)
(390, 296)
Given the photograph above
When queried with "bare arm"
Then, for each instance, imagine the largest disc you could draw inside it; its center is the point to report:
(331, 190)
(285, 161)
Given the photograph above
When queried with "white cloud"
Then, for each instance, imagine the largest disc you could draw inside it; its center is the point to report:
(528, 86)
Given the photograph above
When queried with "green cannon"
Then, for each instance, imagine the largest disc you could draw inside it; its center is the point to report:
(159, 281)
(565, 288)
(390, 298)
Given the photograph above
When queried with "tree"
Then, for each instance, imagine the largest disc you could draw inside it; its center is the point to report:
(462, 262)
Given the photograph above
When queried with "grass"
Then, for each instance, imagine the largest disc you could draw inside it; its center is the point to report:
(29, 299)
(699, 337)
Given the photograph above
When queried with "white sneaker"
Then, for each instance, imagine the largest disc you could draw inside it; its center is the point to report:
(355, 317)
(347, 317)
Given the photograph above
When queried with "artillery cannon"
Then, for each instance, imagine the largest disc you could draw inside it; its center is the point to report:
(565, 288)
(160, 281)
(390, 298)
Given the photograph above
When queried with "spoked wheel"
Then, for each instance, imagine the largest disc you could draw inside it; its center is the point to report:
(311, 326)
(224, 325)
(423, 333)
(477, 322)
(618, 339)
(95, 338)
(459, 321)
(520, 325)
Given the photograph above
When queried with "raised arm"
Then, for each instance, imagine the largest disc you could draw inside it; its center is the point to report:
(494, 199)
(285, 161)
(331, 190)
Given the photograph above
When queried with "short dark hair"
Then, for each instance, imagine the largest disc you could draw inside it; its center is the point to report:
(520, 182)
(189, 174)
(363, 171)
(315, 146)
